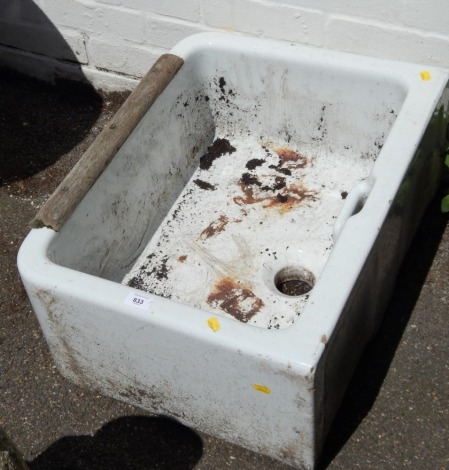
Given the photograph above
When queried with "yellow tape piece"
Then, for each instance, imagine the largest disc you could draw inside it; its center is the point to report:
(425, 75)
(261, 388)
(214, 324)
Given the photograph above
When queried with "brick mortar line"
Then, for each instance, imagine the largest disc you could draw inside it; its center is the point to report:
(384, 25)
(145, 14)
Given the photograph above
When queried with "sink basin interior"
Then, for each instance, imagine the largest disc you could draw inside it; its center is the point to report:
(225, 195)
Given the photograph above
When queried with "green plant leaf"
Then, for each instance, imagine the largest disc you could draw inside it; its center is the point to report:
(445, 204)
(446, 160)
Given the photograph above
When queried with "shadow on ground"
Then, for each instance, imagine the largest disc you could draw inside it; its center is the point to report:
(125, 443)
(375, 362)
(39, 125)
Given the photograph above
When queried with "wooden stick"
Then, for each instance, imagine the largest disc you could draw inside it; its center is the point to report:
(81, 178)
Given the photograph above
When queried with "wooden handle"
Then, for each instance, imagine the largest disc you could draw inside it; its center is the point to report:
(61, 204)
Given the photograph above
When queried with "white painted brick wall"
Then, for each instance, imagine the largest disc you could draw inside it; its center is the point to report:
(186, 9)
(266, 19)
(126, 57)
(43, 40)
(124, 37)
(374, 9)
(166, 32)
(410, 45)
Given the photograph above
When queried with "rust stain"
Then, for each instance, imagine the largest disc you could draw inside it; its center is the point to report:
(290, 158)
(273, 189)
(236, 300)
(214, 228)
(182, 258)
(286, 199)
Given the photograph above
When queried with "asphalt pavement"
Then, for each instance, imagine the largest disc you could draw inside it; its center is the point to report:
(395, 414)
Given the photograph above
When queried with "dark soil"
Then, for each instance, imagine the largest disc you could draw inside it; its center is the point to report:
(219, 148)
(136, 283)
(278, 184)
(282, 197)
(204, 185)
(249, 180)
(279, 168)
(161, 271)
(294, 287)
(254, 163)
(222, 84)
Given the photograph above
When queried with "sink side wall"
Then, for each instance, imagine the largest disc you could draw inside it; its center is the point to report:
(364, 309)
(323, 106)
(124, 207)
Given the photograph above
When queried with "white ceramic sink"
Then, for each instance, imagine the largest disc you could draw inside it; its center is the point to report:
(230, 263)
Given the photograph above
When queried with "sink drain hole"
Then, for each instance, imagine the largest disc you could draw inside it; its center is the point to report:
(294, 281)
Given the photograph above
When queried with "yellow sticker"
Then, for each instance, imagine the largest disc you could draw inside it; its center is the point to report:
(262, 388)
(425, 75)
(214, 324)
